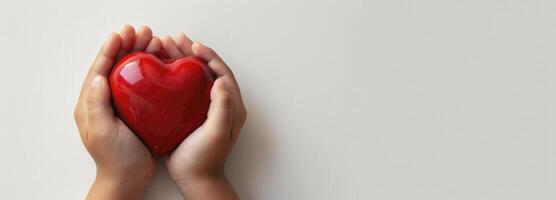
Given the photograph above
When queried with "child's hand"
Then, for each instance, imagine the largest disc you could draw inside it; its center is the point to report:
(124, 165)
(197, 165)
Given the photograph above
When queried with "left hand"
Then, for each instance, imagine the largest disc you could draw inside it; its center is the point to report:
(124, 165)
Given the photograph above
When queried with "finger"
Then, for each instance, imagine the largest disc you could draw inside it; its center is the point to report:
(154, 46)
(219, 119)
(214, 61)
(170, 47)
(107, 55)
(183, 43)
(128, 39)
(101, 66)
(218, 66)
(225, 74)
(142, 38)
(99, 109)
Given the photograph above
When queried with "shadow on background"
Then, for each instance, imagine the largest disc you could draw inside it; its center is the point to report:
(249, 164)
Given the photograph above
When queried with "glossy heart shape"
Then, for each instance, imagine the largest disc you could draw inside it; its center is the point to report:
(162, 101)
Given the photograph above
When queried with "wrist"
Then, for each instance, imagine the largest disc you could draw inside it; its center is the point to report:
(110, 188)
(116, 187)
(193, 180)
(127, 178)
(210, 186)
(121, 182)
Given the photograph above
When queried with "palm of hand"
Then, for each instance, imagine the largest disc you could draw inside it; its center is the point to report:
(128, 155)
(196, 156)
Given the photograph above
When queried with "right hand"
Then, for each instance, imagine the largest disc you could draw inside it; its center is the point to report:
(197, 165)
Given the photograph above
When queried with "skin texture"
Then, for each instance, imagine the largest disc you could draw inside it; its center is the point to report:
(125, 167)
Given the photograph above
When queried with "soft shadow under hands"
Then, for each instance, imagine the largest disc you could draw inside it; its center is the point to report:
(248, 165)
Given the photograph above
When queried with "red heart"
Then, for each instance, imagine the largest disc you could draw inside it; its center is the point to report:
(162, 101)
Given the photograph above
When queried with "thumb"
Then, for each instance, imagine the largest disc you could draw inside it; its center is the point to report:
(99, 109)
(219, 120)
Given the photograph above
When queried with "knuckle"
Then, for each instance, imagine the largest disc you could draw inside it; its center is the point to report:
(93, 102)
(226, 100)
(99, 132)
(211, 51)
(77, 114)
(243, 114)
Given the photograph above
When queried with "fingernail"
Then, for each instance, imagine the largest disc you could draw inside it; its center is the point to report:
(96, 82)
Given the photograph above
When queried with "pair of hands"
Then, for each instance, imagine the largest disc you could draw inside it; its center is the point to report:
(124, 164)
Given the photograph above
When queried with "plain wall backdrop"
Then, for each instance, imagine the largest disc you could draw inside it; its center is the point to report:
(354, 99)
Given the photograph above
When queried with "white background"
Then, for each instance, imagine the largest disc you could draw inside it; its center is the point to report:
(356, 99)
